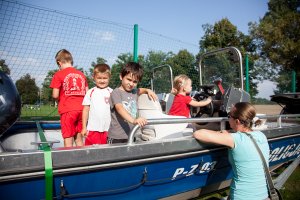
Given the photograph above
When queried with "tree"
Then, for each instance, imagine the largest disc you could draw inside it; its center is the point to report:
(46, 90)
(221, 34)
(99, 60)
(28, 89)
(184, 62)
(224, 34)
(284, 82)
(89, 74)
(3, 67)
(116, 68)
(154, 59)
(278, 34)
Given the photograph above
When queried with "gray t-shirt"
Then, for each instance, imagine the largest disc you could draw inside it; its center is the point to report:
(119, 127)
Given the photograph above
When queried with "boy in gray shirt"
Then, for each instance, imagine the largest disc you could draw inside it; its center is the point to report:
(123, 104)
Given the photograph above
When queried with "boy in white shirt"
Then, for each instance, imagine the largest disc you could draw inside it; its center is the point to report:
(96, 115)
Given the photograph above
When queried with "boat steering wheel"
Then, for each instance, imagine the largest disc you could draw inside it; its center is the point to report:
(204, 111)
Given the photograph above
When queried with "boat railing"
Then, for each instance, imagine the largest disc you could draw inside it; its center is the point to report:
(279, 119)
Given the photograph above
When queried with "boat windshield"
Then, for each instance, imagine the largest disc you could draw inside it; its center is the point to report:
(224, 65)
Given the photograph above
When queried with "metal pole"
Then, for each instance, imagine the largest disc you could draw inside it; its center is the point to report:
(293, 81)
(135, 45)
(247, 73)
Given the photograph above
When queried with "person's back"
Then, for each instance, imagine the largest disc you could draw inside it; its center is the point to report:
(248, 171)
(248, 180)
(72, 88)
(69, 87)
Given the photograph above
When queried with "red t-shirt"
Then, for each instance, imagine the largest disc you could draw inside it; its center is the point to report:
(72, 88)
(180, 106)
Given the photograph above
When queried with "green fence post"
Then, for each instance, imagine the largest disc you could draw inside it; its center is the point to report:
(293, 81)
(135, 45)
(247, 73)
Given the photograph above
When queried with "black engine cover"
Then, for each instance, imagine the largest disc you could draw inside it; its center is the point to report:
(10, 103)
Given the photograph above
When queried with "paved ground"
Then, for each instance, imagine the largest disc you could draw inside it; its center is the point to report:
(268, 109)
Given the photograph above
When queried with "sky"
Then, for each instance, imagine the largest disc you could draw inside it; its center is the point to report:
(178, 19)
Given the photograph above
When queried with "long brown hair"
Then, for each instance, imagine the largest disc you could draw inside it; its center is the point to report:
(245, 113)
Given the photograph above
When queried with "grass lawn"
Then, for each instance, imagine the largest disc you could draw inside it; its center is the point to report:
(290, 190)
(43, 112)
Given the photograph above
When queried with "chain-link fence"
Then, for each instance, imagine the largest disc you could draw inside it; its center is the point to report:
(30, 36)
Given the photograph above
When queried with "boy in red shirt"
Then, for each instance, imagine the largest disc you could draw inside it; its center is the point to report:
(69, 87)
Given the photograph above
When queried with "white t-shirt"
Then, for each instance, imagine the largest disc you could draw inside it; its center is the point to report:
(99, 114)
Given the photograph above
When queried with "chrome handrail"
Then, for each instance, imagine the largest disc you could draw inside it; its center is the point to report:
(222, 121)
(175, 121)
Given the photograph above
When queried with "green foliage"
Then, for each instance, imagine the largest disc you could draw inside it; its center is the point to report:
(291, 189)
(45, 112)
(89, 74)
(3, 67)
(154, 59)
(278, 35)
(284, 80)
(116, 68)
(28, 90)
(46, 90)
(99, 60)
(224, 34)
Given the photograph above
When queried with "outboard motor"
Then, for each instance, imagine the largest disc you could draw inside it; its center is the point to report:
(10, 103)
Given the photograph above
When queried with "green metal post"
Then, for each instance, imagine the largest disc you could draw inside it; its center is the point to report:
(135, 45)
(247, 73)
(293, 81)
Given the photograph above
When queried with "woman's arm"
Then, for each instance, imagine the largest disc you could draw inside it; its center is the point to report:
(215, 137)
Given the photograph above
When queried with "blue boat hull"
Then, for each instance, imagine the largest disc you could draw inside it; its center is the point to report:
(151, 175)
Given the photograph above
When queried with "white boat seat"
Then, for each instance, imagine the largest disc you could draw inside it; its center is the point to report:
(169, 98)
(152, 110)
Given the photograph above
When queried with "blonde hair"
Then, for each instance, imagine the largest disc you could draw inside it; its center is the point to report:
(179, 82)
(102, 68)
